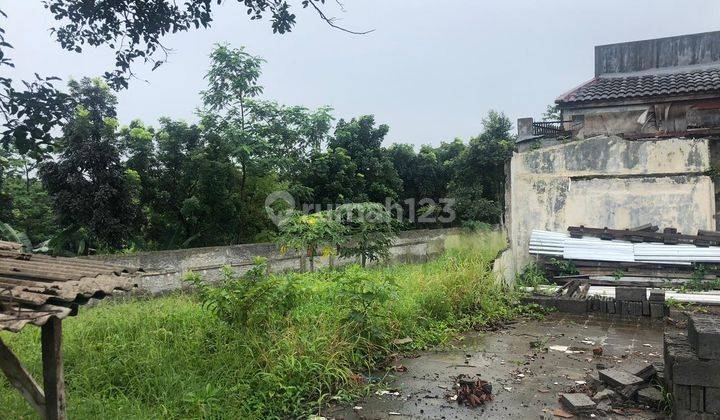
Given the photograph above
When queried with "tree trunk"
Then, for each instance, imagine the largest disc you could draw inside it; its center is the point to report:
(311, 257)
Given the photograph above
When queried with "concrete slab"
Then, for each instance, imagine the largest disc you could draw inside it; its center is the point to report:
(619, 378)
(577, 402)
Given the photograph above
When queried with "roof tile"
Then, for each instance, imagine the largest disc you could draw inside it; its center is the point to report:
(645, 86)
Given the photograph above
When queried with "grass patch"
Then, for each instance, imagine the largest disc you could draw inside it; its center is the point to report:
(175, 357)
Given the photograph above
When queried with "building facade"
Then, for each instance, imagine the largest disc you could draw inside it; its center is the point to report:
(636, 144)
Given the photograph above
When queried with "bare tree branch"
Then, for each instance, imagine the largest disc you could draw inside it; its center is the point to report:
(331, 21)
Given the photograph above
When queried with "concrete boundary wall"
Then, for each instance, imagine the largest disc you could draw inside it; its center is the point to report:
(165, 269)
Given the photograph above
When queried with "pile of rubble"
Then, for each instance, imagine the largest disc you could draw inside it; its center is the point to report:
(692, 364)
(616, 390)
(471, 392)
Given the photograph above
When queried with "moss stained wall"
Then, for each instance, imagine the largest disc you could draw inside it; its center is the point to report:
(609, 181)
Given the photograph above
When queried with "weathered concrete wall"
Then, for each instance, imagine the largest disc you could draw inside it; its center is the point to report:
(165, 269)
(677, 116)
(684, 50)
(609, 181)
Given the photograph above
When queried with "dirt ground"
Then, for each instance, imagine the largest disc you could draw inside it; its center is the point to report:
(526, 373)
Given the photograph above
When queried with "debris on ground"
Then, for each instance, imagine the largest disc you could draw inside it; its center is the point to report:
(617, 377)
(605, 394)
(577, 402)
(400, 368)
(651, 397)
(471, 392)
(382, 392)
(559, 412)
(402, 341)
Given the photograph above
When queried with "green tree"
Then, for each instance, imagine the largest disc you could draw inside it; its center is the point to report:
(479, 182)
(552, 113)
(310, 234)
(363, 143)
(369, 230)
(134, 31)
(87, 182)
(30, 210)
(426, 175)
(331, 176)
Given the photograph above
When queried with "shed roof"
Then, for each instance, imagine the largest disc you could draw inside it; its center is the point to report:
(35, 287)
(621, 88)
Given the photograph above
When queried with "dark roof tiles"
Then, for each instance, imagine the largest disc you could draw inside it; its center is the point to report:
(644, 86)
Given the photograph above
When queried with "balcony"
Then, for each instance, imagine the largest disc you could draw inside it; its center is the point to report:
(550, 129)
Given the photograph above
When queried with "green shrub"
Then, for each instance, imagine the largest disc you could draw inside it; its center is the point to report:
(564, 267)
(473, 226)
(532, 275)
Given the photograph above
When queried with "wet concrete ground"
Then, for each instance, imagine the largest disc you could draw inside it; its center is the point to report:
(526, 381)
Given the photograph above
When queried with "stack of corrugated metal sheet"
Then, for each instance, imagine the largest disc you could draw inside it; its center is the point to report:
(34, 287)
(547, 243)
(596, 249)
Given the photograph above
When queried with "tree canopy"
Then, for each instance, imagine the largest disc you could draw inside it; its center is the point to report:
(100, 186)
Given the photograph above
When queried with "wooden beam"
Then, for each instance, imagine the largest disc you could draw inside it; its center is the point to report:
(21, 379)
(53, 378)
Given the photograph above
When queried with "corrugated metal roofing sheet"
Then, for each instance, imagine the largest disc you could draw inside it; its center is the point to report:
(34, 287)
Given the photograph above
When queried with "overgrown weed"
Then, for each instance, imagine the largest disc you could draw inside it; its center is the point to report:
(258, 346)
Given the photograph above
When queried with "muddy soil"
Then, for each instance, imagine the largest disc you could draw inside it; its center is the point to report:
(525, 363)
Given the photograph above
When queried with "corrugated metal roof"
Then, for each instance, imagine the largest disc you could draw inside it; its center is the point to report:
(34, 287)
(616, 88)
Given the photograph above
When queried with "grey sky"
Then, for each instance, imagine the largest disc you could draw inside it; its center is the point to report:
(431, 70)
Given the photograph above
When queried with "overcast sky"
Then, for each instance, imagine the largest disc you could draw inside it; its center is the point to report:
(431, 69)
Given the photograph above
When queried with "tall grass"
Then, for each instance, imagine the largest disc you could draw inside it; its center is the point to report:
(171, 357)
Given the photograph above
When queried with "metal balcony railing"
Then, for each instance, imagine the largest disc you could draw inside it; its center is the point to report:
(550, 128)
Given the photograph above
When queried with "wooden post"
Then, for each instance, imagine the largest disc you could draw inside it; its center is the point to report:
(54, 381)
(21, 379)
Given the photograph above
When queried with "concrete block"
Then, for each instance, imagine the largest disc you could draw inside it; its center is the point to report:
(619, 308)
(657, 295)
(712, 400)
(689, 415)
(627, 308)
(671, 341)
(650, 396)
(704, 335)
(577, 402)
(601, 306)
(637, 309)
(619, 378)
(657, 310)
(610, 303)
(646, 308)
(681, 397)
(639, 369)
(687, 368)
(572, 306)
(637, 294)
(697, 398)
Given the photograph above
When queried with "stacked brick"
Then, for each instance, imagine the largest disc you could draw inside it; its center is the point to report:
(692, 368)
(628, 302)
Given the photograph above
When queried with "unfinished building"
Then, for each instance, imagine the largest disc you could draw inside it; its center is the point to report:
(634, 145)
